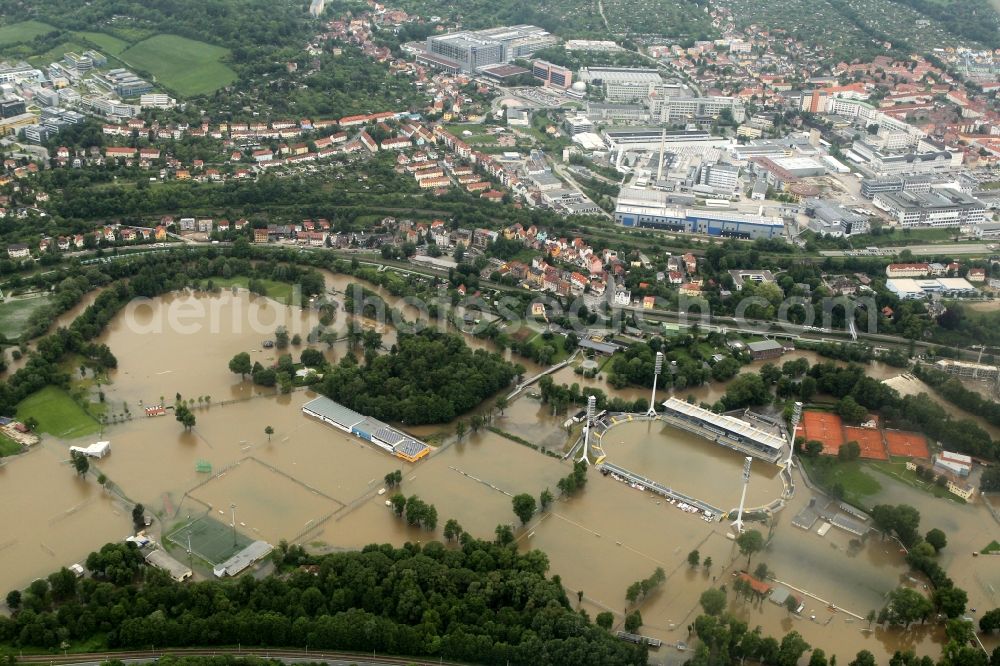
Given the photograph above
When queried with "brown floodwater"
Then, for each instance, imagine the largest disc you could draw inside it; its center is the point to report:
(316, 485)
(51, 518)
(909, 385)
(690, 464)
(166, 345)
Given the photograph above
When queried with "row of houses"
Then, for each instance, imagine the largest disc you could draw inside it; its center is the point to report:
(106, 235)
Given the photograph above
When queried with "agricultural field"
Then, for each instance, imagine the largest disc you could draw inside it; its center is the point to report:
(14, 315)
(57, 414)
(187, 67)
(24, 31)
(105, 43)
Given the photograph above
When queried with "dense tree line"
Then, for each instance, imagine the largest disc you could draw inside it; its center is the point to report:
(855, 353)
(971, 19)
(954, 391)
(482, 603)
(726, 640)
(427, 377)
(562, 396)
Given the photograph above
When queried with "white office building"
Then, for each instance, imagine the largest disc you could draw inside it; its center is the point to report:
(936, 208)
(623, 84)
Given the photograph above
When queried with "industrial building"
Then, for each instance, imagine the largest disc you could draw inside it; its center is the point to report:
(371, 430)
(800, 167)
(617, 113)
(669, 109)
(623, 84)
(650, 209)
(911, 289)
(832, 219)
(467, 51)
(728, 431)
(878, 162)
(943, 207)
(724, 177)
(919, 182)
(651, 139)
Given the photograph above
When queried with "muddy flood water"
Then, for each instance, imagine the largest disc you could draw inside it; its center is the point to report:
(312, 484)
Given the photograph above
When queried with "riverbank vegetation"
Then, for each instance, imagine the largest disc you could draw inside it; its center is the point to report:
(952, 390)
(482, 602)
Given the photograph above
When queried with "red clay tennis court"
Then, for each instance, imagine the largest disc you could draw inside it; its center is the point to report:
(824, 427)
(908, 444)
(870, 441)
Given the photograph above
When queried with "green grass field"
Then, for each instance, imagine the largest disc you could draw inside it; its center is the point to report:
(57, 414)
(851, 476)
(106, 44)
(210, 539)
(277, 291)
(478, 135)
(556, 342)
(25, 31)
(185, 66)
(8, 447)
(14, 315)
(56, 53)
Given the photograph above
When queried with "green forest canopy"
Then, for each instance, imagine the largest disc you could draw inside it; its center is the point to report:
(481, 603)
(427, 377)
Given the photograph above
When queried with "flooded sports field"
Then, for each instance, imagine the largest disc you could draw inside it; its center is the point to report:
(312, 484)
(689, 464)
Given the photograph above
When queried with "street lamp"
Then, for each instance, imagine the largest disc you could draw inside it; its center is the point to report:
(233, 507)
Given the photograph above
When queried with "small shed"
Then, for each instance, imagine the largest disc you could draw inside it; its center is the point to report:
(780, 596)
